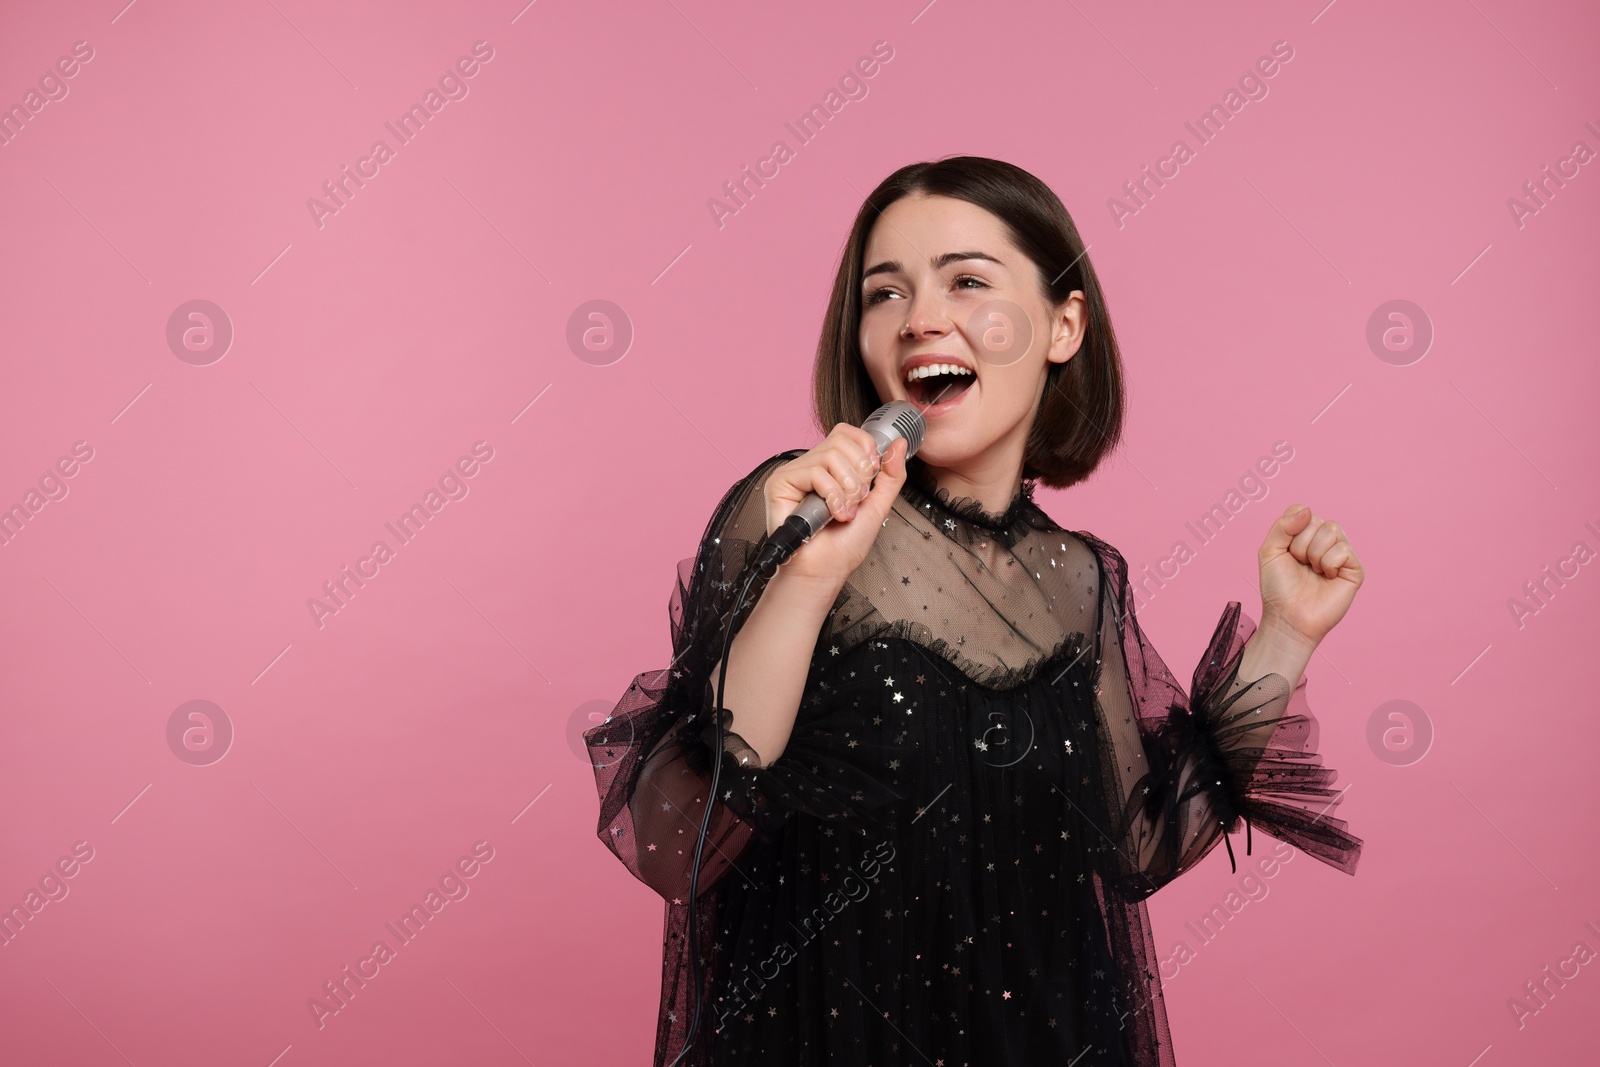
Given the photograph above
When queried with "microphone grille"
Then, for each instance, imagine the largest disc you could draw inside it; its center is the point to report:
(903, 419)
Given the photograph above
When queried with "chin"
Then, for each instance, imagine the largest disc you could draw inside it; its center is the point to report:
(947, 449)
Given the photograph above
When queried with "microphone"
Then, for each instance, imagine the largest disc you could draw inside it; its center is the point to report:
(897, 418)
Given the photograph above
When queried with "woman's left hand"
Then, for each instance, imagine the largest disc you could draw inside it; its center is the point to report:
(1309, 574)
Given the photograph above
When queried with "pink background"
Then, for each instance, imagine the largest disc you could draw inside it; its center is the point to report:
(439, 707)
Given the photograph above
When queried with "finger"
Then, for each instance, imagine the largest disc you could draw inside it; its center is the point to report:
(1300, 543)
(846, 472)
(861, 437)
(1334, 560)
(1325, 536)
(1351, 569)
(857, 443)
(1329, 536)
(887, 485)
(861, 462)
(826, 485)
(1284, 529)
(868, 443)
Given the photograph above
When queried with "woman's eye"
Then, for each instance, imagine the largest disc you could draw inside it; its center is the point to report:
(878, 296)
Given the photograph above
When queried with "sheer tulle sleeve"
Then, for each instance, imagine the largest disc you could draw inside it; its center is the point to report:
(1187, 771)
(651, 755)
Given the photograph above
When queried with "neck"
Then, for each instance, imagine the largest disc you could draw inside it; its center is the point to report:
(992, 480)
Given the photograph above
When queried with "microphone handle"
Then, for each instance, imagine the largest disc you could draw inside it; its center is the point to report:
(897, 418)
(802, 524)
(811, 516)
(813, 512)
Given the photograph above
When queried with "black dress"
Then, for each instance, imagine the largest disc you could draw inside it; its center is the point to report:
(989, 771)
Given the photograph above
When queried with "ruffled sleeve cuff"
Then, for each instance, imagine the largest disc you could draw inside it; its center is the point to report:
(1254, 754)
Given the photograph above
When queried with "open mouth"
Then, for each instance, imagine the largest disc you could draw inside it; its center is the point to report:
(937, 384)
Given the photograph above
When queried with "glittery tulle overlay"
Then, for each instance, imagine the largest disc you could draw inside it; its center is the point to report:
(969, 521)
(990, 769)
(1235, 753)
(1263, 771)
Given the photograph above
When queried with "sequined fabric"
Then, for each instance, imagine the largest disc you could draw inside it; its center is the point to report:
(989, 772)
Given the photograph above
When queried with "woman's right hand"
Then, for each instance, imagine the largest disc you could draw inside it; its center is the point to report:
(839, 469)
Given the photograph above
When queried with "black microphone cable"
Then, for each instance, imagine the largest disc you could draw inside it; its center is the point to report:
(775, 549)
(762, 567)
(898, 418)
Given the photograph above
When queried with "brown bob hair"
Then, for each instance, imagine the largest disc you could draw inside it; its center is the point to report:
(1079, 417)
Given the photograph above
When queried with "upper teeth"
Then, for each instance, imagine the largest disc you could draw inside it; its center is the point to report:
(930, 369)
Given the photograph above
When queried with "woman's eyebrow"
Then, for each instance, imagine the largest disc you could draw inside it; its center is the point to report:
(892, 266)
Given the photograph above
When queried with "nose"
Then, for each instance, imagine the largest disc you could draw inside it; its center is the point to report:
(925, 316)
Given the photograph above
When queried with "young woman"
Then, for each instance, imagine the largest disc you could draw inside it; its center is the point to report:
(953, 765)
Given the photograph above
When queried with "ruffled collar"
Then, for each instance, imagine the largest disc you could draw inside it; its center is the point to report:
(963, 518)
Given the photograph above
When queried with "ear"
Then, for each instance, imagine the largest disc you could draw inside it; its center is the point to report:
(1067, 324)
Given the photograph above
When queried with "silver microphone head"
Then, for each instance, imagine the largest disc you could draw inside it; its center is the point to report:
(897, 418)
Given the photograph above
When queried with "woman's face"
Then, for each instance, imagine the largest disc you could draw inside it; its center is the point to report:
(943, 284)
